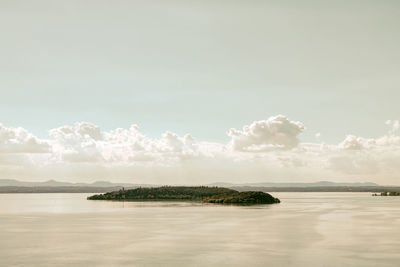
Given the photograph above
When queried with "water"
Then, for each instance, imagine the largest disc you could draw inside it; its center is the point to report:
(306, 229)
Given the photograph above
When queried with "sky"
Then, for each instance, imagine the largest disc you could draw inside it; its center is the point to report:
(194, 92)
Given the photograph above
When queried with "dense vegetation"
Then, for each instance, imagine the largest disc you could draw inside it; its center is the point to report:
(384, 194)
(165, 193)
(245, 198)
(219, 195)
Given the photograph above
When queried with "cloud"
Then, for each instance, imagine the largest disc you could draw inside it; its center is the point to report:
(266, 150)
(77, 143)
(81, 131)
(352, 142)
(19, 140)
(84, 142)
(373, 157)
(361, 164)
(274, 133)
(171, 142)
(395, 124)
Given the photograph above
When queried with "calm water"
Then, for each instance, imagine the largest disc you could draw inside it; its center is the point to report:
(306, 229)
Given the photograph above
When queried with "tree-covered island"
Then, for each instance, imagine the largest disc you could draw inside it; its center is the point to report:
(219, 195)
(387, 194)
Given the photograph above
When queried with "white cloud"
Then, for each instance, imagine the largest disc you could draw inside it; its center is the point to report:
(84, 142)
(18, 140)
(267, 150)
(395, 124)
(77, 143)
(352, 142)
(81, 131)
(274, 133)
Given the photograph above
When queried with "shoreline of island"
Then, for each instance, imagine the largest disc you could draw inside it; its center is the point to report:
(204, 194)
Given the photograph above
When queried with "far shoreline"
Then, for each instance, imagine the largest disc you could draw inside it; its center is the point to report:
(93, 190)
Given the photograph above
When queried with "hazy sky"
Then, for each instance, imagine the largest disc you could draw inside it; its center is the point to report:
(200, 67)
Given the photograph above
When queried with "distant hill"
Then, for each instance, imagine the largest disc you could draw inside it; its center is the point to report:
(56, 189)
(53, 186)
(54, 183)
(11, 182)
(314, 184)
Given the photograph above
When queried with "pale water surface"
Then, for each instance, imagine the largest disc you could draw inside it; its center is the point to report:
(306, 229)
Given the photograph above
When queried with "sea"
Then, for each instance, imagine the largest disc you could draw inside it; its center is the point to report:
(305, 229)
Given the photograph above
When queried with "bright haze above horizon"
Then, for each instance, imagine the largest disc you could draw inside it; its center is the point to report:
(199, 92)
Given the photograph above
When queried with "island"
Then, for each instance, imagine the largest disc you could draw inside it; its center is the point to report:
(387, 194)
(205, 194)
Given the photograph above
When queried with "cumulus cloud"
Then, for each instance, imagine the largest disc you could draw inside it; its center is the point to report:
(373, 157)
(390, 140)
(81, 131)
(395, 126)
(19, 140)
(274, 133)
(352, 142)
(77, 143)
(266, 150)
(84, 142)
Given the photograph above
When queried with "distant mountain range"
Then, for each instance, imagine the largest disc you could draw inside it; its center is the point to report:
(53, 183)
(52, 186)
